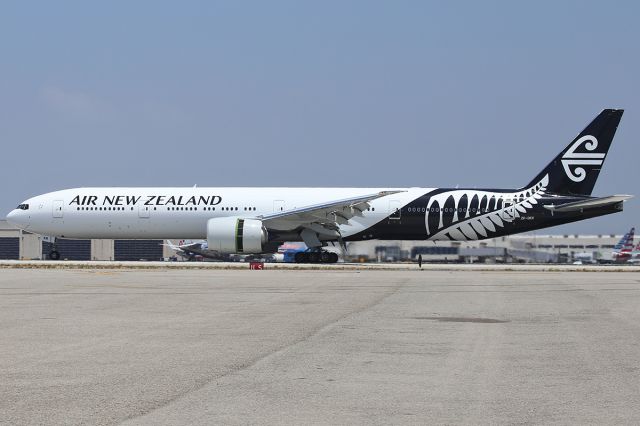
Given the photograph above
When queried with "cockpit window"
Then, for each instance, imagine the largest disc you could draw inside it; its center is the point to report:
(23, 207)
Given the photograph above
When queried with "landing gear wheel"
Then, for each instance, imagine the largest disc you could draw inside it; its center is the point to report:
(316, 257)
(54, 255)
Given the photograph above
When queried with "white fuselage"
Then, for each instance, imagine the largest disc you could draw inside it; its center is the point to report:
(161, 213)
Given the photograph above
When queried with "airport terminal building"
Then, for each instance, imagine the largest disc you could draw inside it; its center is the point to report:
(18, 244)
(528, 248)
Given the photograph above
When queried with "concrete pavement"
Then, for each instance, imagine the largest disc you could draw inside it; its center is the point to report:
(317, 347)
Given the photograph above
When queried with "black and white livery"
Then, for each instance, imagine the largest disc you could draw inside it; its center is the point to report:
(258, 220)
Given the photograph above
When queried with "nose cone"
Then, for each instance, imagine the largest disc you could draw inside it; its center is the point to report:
(18, 218)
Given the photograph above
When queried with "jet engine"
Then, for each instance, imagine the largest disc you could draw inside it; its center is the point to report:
(236, 235)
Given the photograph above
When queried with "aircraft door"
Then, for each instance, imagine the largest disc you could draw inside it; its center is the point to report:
(143, 212)
(57, 208)
(508, 212)
(395, 210)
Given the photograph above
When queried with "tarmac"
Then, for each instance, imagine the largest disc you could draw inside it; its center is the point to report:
(399, 266)
(332, 346)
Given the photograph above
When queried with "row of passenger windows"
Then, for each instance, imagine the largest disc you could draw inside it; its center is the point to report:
(102, 208)
(212, 208)
(445, 210)
(409, 209)
(168, 208)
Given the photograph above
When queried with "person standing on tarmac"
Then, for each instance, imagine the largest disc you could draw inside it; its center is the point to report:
(420, 261)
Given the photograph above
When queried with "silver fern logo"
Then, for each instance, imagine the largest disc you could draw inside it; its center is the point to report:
(572, 160)
(463, 215)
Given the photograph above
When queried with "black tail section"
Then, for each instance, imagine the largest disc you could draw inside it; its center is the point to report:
(575, 170)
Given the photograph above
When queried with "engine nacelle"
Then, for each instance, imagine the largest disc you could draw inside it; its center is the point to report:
(236, 235)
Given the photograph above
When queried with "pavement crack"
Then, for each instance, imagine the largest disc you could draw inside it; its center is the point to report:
(235, 369)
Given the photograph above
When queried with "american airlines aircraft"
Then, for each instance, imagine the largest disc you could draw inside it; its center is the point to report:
(258, 220)
(623, 251)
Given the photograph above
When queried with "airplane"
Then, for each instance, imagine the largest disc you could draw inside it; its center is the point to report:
(623, 250)
(634, 256)
(259, 220)
(192, 250)
(199, 250)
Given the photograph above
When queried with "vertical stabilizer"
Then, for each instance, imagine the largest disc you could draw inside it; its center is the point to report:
(575, 170)
(626, 242)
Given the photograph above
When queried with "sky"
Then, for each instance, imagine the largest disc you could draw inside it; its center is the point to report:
(295, 93)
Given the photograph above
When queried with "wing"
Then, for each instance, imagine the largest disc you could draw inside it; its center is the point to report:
(323, 218)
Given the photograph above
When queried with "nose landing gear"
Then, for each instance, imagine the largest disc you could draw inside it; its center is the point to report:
(54, 254)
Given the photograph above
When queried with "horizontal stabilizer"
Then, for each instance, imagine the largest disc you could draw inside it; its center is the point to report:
(588, 204)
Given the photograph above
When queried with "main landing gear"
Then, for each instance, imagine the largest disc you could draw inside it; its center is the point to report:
(316, 256)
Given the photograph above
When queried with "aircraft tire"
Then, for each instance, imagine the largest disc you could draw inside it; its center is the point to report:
(300, 257)
(54, 255)
(333, 258)
(325, 257)
(314, 257)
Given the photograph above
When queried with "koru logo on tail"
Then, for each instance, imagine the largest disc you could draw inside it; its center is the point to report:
(572, 160)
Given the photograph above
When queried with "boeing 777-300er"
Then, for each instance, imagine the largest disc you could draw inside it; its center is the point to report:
(258, 220)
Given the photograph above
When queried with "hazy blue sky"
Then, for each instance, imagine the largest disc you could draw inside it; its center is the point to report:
(344, 93)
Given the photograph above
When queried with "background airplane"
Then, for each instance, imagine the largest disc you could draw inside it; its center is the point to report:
(623, 250)
(194, 250)
(634, 256)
